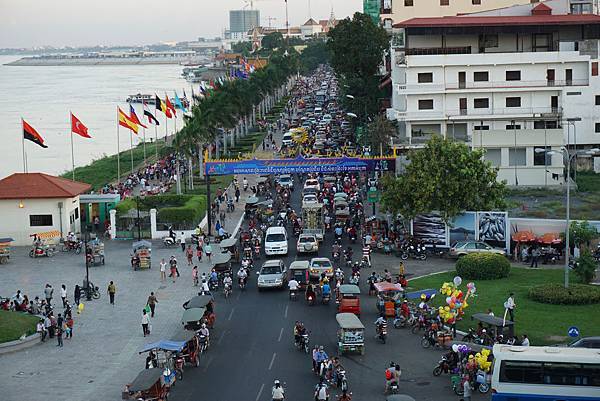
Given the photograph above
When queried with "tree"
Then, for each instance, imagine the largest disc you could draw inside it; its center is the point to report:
(581, 233)
(585, 267)
(379, 133)
(357, 49)
(315, 53)
(446, 177)
(272, 41)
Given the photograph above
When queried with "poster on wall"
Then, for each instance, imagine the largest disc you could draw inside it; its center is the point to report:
(462, 228)
(429, 228)
(492, 228)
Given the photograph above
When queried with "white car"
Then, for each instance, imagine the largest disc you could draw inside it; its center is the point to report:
(312, 183)
(327, 118)
(310, 198)
(320, 265)
(285, 180)
(288, 139)
(276, 241)
(307, 243)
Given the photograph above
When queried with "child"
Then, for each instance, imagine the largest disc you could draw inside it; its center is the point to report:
(69, 327)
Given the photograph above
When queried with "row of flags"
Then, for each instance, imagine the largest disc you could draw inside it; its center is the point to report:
(131, 121)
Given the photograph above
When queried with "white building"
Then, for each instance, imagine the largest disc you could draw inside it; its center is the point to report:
(506, 83)
(32, 203)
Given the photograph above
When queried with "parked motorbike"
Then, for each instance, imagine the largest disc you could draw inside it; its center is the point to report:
(76, 246)
(412, 251)
(40, 251)
(169, 242)
(442, 367)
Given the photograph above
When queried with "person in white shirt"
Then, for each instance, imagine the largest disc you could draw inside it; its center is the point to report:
(63, 295)
(163, 270)
(145, 323)
(293, 285)
(277, 392)
(525, 341)
(205, 288)
(182, 241)
(510, 306)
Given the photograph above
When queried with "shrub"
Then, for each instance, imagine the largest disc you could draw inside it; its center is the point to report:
(189, 214)
(585, 268)
(483, 266)
(557, 294)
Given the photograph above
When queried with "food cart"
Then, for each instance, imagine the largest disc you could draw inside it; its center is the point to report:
(149, 385)
(143, 250)
(351, 333)
(388, 297)
(348, 299)
(231, 245)
(5, 249)
(191, 350)
(299, 272)
(95, 252)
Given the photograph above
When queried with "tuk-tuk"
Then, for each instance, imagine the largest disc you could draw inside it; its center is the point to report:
(142, 255)
(231, 245)
(149, 385)
(299, 271)
(329, 181)
(191, 350)
(338, 196)
(351, 334)
(388, 298)
(342, 211)
(496, 325)
(221, 262)
(348, 299)
(5, 249)
(192, 318)
(205, 302)
(251, 206)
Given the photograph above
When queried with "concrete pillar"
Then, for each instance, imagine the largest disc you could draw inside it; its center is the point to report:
(113, 223)
(153, 230)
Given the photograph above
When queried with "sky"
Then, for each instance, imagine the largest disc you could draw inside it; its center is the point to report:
(32, 23)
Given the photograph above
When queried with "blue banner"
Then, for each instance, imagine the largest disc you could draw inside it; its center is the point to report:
(300, 165)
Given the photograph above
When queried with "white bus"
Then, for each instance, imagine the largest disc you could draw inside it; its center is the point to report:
(545, 374)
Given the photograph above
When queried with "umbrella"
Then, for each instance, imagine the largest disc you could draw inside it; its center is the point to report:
(550, 239)
(523, 236)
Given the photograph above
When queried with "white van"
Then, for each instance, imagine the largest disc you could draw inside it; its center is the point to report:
(276, 241)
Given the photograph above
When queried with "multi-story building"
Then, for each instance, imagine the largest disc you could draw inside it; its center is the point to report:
(510, 84)
(242, 21)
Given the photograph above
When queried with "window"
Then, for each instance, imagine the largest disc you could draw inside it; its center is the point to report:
(38, 220)
(470, 245)
(426, 104)
(494, 156)
(550, 373)
(517, 157)
(481, 103)
(487, 41)
(541, 158)
(481, 127)
(597, 128)
(425, 77)
(512, 127)
(594, 68)
(76, 214)
(408, 3)
(573, 93)
(476, 2)
(513, 102)
(444, 2)
(597, 100)
(513, 75)
(481, 76)
(545, 124)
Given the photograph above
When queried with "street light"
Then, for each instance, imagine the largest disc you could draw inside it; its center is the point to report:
(352, 115)
(350, 97)
(565, 152)
(88, 292)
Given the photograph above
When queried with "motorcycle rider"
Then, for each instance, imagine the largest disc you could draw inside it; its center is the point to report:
(245, 184)
(380, 323)
(372, 280)
(338, 231)
(310, 292)
(293, 285)
(227, 282)
(404, 309)
(204, 334)
(71, 240)
(172, 234)
(326, 290)
(299, 331)
(242, 276)
(277, 393)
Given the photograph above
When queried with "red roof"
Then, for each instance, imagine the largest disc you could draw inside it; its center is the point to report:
(39, 185)
(505, 20)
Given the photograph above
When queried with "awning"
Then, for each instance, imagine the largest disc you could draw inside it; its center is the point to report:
(166, 345)
(47, 234)
(550, 239)
(523, 236)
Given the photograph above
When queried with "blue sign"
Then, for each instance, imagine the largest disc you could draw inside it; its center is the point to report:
(300, 165)
(573, 331)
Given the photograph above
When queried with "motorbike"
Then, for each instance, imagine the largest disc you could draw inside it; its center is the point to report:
(381, 331)
(76, 246)
(230, 206)
(40, 251)
(483, 387)
(342, 381)
(245, 186)
(94, 291)
(303, 345)
(213, 285)
(401, 322)
(297, 231)
(178, 363)
(412, 251)
(420, 323)
(336, 257)
(326, 298)
(169, 242)
(257, 251)
(442, 367)
(204, 342)
(473, 337)
(310, 300)
(394, 389)
(227, 290)
(430, 340)
(247, 263)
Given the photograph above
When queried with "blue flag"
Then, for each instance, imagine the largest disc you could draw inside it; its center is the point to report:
(178, 103)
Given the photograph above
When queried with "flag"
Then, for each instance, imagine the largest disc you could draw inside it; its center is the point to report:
(151, 118)
(78, 127)
(179, 104)
(133, 117)
(126, 122)
(162, 106)
(32, 135)
(170, 105)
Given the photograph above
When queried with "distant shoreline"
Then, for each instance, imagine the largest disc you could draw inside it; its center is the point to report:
(36, 62)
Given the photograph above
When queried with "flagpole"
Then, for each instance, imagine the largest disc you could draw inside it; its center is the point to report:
(144, 144)
(166, 125)
(131, 148)
(72, 151)
(118, 150)
(156, 140)
(23, 140)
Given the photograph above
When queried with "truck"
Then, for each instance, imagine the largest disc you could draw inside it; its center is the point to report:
(312, 218)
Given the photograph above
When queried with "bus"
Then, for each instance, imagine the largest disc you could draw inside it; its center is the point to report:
(545, 374)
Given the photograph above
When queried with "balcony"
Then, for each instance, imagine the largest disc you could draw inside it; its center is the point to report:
(513, 84)
(507, 111)
(433, 51)
(526, 137)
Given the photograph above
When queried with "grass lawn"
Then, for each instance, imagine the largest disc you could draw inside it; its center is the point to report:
(14, 324)
(543, 323)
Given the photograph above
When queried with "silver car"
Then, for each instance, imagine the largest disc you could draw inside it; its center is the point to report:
(307, 243)
(272, 274)
(462, 248)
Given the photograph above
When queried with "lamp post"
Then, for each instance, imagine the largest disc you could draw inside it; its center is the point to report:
(88, 293)
(569, 157)
(137, 223)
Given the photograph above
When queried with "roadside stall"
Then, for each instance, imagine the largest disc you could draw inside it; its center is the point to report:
(95, 252)
(149, 385)
(351, 333)
(142, 255)
(299, 272)
(5, 249)
(388, 297)
(348, 299)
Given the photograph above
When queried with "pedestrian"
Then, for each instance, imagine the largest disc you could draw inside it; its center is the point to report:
(145, 323)
(182, 241)
(237, 194)
(173, 267)
(48, 291)
(63, 294)
(59, 335)
(69, 330)
(163, 270)
(112, 289)
(77, 295)
(199, 250)
(152, 301)
(207, 249)
(535, 255)
(189, 253)
(525, 341)
(47, 327)
(510, 306)
(41, 330)
(315, 353)
(466, 388)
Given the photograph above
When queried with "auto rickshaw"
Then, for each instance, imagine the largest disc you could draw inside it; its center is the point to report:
(231, 245)
(221, 262)
(299, 271)
(191, 350)
(351, 334)
(250, 208)
(205, 302)
(149, 385)
(348, 299)
(193, 318)
(342, 211)
(388, 297)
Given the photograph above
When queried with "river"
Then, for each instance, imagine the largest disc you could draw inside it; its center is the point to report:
(44, 96)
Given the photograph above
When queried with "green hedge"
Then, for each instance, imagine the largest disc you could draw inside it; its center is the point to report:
(483, 266)
(191, 212)
(557, 294)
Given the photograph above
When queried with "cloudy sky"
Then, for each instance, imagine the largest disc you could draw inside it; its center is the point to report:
(27, 23)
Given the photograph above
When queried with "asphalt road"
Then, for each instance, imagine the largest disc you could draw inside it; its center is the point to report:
(252, 345)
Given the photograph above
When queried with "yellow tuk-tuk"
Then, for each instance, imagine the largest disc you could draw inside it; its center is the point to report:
(351, 334)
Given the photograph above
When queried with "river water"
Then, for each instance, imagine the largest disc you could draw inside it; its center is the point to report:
(44, 96)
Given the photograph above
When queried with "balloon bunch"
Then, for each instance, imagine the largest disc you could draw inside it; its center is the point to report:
(482, 360)
(456, 300)
(462, 348)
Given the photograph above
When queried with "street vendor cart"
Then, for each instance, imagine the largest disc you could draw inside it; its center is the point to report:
(149, 385)
(5, 249)
(388, 297)
(351, 333)
(142, 255)
(348, 299)
(95, 252)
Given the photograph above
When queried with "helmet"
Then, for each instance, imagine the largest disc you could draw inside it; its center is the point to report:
(203, 325)
(276, 382)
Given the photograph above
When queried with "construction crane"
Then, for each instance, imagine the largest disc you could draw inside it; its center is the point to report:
(270, 19)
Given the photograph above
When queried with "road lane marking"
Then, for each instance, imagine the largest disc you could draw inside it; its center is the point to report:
(286, 311)
(231, 313)
(280, 334)
(210, 359)
(221, 338)
(272, 360)
(262, 387)
(238, 296)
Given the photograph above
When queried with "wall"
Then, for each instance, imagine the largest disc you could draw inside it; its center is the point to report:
(432, 8)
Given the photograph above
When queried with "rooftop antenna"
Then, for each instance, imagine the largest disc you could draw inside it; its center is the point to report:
(309, 10)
